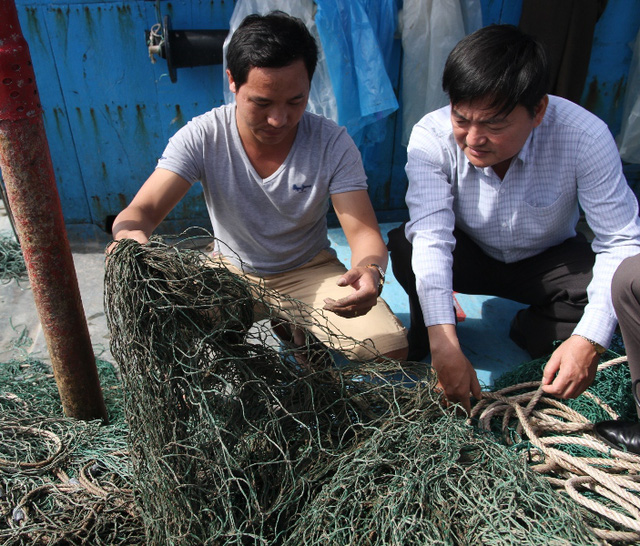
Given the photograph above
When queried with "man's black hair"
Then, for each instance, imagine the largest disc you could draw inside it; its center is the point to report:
(498, 63)
(274, 40)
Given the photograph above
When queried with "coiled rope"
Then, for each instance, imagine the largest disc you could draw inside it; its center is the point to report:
(604, 480)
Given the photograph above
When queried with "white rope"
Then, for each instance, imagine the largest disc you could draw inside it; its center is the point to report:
(548, 424)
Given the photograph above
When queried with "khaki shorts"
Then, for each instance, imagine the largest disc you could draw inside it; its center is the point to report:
(363, 338)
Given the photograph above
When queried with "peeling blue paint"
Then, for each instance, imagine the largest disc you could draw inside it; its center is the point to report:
(91, 62)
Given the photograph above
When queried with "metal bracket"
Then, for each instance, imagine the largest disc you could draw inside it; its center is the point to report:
(186, 48)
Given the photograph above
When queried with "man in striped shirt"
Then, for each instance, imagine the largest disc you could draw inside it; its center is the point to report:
(496, 183)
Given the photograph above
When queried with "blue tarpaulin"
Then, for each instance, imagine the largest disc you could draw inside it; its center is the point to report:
(352, 33)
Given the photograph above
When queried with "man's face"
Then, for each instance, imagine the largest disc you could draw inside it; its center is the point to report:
(489, 139)
(270, 104)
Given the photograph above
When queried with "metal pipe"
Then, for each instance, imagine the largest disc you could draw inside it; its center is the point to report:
(33, 197)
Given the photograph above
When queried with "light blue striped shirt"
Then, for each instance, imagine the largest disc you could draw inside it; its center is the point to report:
(569, 161)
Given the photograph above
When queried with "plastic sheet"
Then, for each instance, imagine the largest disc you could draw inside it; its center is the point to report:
(430, 30)
(351, 85)
(322, 100)
(629, 138)
(352, 32)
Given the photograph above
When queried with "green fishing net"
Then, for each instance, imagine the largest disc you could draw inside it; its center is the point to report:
(221, 433)
(236, 438)
(12, 266)
(62, 481)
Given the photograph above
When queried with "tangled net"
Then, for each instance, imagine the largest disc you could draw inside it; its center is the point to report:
(235, 438)
(62, 481)
(12, 265)
(221, 435)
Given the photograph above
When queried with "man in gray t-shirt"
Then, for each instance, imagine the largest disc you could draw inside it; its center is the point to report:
(268, 169)
(322, 161)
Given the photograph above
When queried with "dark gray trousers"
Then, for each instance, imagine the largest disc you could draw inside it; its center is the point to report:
(625, 292)
(553, 284)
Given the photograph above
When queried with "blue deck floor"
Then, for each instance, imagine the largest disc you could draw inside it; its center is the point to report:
(484, 332)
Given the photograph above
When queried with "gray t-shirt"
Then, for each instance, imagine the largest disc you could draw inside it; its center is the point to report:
(277, 223)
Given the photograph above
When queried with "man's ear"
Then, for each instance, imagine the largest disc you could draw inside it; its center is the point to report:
(540, 110)
(232, 83)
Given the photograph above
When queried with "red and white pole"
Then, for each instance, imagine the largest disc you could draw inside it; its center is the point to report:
(33, 197)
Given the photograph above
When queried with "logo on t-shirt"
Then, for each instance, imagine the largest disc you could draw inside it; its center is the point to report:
(300, 189)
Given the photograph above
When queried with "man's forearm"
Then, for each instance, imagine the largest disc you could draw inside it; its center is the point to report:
(443, 337)
(131, 224)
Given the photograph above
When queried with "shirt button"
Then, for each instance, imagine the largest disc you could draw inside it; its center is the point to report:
(504, 224)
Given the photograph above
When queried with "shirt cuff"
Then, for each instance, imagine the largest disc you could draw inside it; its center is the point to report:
(438, 310)
(597, 326)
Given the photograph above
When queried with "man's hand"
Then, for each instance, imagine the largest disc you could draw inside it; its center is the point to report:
(571, 368)
(136, 235)
(365, 282)
(455, 373)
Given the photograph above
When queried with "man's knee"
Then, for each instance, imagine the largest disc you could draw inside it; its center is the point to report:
(398, 354)
(398, 242)
(400, 251)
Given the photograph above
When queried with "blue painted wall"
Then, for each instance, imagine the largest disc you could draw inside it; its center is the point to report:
(109, 111)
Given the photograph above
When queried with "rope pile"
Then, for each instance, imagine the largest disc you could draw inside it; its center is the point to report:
(559, 444)
(235, 438)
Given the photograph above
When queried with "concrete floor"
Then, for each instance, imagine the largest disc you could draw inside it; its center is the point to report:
(18, 313)
(483, 333)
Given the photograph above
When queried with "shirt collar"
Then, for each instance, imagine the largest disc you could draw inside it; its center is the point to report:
(525, 150)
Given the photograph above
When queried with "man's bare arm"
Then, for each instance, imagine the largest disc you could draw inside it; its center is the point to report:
(156, 198)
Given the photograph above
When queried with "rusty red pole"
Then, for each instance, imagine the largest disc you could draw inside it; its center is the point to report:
(34, 201)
